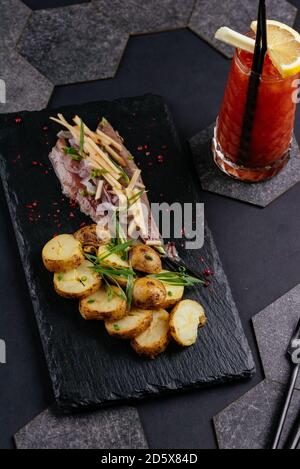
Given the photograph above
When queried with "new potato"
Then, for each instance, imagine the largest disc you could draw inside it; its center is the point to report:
(156, 337)
(148, 293)
(132, 325)
(62, 253)
(185, 320)
(102, 306)
(77, 283)
(145, 259)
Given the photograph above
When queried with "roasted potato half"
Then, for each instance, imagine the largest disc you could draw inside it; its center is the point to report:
(62, 253)
(174, 294)
(77, 283)
(88, 238)
(185, 320)
(156, 338)
(145, 259)
(132, 325)
(148, 293)
(103, 306)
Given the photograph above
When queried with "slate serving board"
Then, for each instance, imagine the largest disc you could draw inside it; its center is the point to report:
(87, 367)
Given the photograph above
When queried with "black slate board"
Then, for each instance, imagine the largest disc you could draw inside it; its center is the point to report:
(87, 367)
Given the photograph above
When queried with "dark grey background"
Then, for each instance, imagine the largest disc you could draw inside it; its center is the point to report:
(259, 248)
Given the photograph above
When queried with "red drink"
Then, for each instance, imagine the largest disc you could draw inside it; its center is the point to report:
(269, 147)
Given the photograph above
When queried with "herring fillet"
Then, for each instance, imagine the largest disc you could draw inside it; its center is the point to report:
(71, 182)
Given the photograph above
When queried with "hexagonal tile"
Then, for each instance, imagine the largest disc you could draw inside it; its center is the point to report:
(261, 194)
(14, 15)
(73, 44)
(249, 423)
(208, 16)
(26, 88)
(274, 327)
(150, 16)
(106, 429)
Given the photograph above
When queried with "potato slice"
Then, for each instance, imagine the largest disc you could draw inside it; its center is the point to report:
(62, 253)
(144, 259)
(132, 325)
(113, 260)
(77, 283)
(148, 293)
(185, 320)
(156, 338)
(88, 238)
(174, 294)
(99, 305)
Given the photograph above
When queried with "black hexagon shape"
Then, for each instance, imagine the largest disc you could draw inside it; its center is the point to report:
(148, 16)
(73, 44)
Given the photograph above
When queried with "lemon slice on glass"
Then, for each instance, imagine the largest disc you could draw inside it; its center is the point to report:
(283, 47)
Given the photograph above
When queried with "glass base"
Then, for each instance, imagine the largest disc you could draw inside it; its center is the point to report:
(243, 173)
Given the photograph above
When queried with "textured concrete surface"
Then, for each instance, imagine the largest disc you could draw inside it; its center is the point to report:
(73, 44)
(13, 14)
(250, 422)
(274, 327)
(148, 16)
(109, 429)
(209, 16)
(261, 194)
(26, 88)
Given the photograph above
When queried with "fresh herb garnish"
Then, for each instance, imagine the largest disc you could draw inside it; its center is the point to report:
(73, 153)
(132, 200)
(112, 274)
(129, 290)
(60, 277)
(84, 278)
(148, 257)
(96, 173)
(180, 278)
(91, 301)
(83, 193)
(170, 293)
(116, 327)
(111, 249)
(81, 142)
(130, 158)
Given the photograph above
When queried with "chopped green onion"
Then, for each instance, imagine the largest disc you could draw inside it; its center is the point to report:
(73, 153)
(96, 173)
(60, 277)
(148, 258)
(116, 327)
(180, 278)
(91, 301)
(132, 200)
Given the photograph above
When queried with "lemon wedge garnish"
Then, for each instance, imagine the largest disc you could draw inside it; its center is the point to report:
(283, 47)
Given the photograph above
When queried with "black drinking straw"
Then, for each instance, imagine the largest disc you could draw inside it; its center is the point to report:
(261, 47)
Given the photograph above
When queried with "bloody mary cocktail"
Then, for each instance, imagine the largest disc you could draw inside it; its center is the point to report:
(268, 150)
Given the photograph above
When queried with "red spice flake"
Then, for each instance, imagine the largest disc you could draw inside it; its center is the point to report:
(148, 153)
(82, 224)
(207, 284)
(164, 147)
(54, 203)
(202, 259)
(140, 148)
(18, 120)
(16, 159)
(160, 159)
(71, 215)
(150, 163)
(208, 273)
(59, 225)
(145, 147)
(45, 128)
(46, 172)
